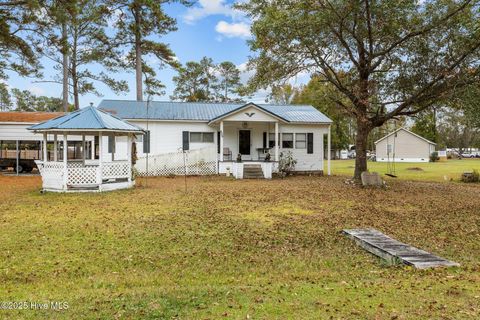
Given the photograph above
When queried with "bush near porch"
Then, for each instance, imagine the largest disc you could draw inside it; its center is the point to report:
(236, 250)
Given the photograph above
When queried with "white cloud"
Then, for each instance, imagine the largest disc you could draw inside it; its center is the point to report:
(207, 8)
(36, 90)
(232, 30)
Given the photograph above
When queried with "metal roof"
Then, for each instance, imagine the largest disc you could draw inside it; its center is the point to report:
(408, 131)
(86, 119)
(199, 111)
(27, 116)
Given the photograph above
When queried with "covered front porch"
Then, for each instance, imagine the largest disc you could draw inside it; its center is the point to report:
(251, 140)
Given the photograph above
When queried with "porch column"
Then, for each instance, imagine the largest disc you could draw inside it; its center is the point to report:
(55, 148)
(100, 159)
(92, 149)
(329, 152)
(276, 141)
(129, 157)
(83, 150)
(221, 140)
(17, 156)
(65, 155)
(45, 152)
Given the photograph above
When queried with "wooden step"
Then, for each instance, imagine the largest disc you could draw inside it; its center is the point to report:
(253, 171)
(395, 251)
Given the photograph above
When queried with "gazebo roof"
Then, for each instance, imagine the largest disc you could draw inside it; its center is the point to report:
(86, 119)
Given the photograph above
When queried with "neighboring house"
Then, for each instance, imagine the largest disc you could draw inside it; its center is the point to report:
(216, 133)
(404, 146)
(18, 146)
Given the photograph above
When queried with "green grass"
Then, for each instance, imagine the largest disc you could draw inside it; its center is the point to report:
(450, 170)
(232, 249)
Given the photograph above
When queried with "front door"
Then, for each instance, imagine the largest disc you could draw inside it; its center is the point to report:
(244, 142)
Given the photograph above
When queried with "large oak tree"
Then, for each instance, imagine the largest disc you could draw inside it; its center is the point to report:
(387, 58)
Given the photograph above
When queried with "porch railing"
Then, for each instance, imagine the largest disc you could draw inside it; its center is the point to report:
(77, 174)
(194, 162)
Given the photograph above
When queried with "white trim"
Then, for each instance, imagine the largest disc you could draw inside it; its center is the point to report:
(248, 105)
(408, 131)
(386, 159)
(17, 123)
(125, 131)
(164, 120)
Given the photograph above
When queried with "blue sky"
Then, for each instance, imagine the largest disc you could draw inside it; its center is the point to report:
(210, 28)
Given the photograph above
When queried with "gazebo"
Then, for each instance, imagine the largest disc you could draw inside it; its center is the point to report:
(98, 156)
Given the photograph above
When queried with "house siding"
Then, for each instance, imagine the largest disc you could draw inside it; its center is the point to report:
(305, 161)
(408, 148)
(166, 137)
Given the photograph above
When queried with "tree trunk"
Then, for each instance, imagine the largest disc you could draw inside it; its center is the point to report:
(74, 71)
(138, 55)
(75, 87)
(65, 68)
(363, 130)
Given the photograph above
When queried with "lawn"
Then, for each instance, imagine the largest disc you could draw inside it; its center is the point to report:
(450, 170)
(231, 249)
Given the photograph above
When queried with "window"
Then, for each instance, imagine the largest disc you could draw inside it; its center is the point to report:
(300, 140)
(146, 142)
(389, 148)
(271, 140)
(201, 137)
(111, 144)
(287, 140)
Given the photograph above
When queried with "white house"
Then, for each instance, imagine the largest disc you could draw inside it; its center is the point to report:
(403, 145)
(216, 134)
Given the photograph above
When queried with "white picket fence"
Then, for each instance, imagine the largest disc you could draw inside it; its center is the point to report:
(193, 162)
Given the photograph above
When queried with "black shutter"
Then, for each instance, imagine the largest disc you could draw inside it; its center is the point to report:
(310, 143)
(146, 142)
(218, 142)
(264, 140)
(185, 140)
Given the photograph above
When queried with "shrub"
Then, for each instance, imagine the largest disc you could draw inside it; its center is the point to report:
(473, 176)
(476, 176)
(434, 156)
(287, 163)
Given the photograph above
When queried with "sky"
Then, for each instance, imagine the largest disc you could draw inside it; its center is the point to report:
(210, 28)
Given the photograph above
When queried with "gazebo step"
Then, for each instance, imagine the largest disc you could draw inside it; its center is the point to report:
(83, 187)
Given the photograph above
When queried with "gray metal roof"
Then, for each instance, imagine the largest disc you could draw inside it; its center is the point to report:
(88, 119)
(408, 131)
(166, 110)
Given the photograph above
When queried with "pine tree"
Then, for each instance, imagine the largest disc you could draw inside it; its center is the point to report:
(18, 24)
(135, 22)
(76, 38)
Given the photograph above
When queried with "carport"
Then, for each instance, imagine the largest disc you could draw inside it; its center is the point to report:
(19, 148)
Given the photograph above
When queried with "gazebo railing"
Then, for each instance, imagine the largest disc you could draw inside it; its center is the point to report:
(79, 175)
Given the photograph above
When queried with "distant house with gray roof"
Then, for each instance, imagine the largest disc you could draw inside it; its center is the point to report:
(403, 145)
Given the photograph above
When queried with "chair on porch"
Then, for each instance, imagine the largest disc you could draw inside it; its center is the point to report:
(227, 154)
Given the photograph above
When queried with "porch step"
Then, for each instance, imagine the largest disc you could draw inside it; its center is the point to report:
(253, 171)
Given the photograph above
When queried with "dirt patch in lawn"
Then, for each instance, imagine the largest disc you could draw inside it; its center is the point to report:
(415, 169)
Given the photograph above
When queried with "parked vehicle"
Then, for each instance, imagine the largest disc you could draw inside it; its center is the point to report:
(24, 165)
(468, 155)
